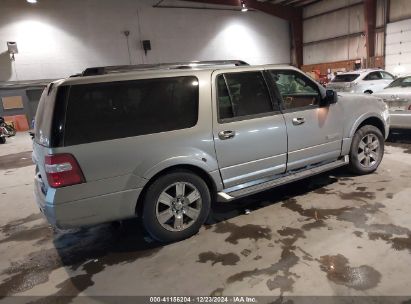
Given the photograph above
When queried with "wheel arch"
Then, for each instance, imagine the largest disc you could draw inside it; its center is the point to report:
(209, 180)
(372, 120)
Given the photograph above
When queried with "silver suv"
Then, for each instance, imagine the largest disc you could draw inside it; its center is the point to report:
(163, 142)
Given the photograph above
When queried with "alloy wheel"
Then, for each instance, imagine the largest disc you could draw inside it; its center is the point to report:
(368, 150)
(178, 206)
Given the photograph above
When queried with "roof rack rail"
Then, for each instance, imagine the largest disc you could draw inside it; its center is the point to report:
(140, 67)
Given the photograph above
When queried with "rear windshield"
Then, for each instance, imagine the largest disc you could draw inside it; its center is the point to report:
(105, 111)
(345, 77)
(401, 82)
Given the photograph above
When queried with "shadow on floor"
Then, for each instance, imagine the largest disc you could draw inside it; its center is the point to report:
(126, 241)
(400, 139)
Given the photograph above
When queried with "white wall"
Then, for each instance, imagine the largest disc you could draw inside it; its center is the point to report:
(57, 38)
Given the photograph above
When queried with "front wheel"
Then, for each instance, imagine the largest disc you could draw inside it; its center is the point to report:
(2, 140)
(176, 205)
(367, 150)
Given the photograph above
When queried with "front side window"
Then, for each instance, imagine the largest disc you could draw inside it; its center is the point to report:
(373, 76)
(297, 91)
(242, 94)
(104, 111)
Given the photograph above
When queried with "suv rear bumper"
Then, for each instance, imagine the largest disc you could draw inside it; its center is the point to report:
(85, 212)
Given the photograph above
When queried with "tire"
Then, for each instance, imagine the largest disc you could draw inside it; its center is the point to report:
(367, 150)
(166, 206)
(368, 92)
(2, 140)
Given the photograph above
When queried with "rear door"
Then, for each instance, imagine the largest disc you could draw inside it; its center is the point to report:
(314, 133)
(249, 130)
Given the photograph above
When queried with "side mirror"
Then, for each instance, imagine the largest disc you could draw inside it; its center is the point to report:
(330, 98)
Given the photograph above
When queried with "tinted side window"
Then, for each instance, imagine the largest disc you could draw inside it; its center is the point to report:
(104, 111)
(373, 76)
(242, 94)
(297, 91)
(387, 76)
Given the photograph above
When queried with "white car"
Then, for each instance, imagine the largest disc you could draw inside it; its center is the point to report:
(361, 81)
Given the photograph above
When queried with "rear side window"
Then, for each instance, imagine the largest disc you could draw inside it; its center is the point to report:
(387, 76)
(47, 120)
(345, 77)
(242, 94)
(105, 111)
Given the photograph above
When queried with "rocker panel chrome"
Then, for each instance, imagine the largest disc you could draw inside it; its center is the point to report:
(264, 184)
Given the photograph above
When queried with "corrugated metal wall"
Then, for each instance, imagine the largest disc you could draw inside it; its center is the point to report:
(335, 34)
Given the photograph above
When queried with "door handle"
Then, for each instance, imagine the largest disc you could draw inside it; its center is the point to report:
(226, 134)
(298, 121)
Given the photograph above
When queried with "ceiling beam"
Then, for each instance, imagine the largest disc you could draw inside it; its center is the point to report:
(307, 3)
(283, 12)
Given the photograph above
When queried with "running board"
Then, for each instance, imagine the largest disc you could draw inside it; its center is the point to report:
(238, 191)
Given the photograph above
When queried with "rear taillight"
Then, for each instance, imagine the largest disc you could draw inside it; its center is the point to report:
(63, 170)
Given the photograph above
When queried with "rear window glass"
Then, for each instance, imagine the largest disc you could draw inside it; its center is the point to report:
(105, 111)
(345, 77)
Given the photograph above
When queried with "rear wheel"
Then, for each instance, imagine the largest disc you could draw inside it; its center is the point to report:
(176, 205)
(2, 140)
(367, 150)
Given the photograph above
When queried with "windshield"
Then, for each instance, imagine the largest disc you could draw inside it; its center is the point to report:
(401, 82)
(345, 78)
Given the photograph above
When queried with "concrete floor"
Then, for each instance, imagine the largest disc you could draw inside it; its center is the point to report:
(334, 234)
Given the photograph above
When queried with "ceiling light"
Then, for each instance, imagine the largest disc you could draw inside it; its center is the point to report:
(32, 1)
(244, 7)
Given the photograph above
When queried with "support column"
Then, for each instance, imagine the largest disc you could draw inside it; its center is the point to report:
(370, 16)
(297, 41)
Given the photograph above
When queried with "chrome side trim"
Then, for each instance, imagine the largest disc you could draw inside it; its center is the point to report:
(230, 194)
(224, 196)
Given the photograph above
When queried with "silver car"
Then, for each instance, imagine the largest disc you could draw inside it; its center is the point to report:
(398, 98)
(163, 142)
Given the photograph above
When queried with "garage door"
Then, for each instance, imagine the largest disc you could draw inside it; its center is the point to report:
(398, 47)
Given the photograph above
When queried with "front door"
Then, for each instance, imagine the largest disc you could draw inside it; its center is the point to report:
(249, 130)
(314, 133)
